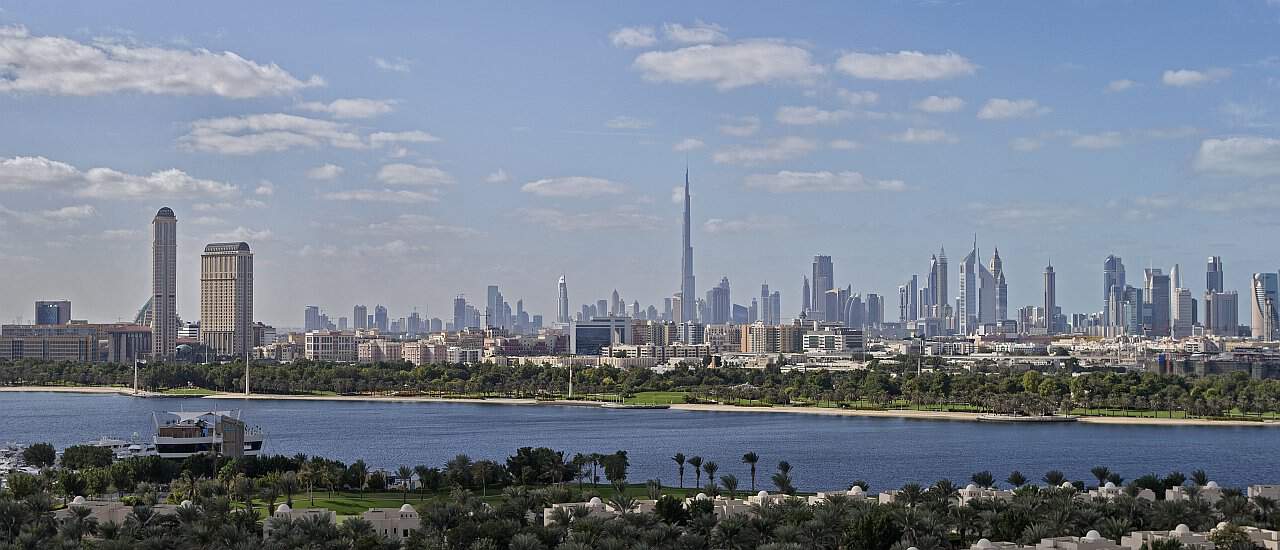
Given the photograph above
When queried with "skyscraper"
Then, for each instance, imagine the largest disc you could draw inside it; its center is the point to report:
(823, 282)
(380, 320)
(1002, 288)
(1264, 298)
(1222, 313)
(1050, 299)
(806, 298)
(967, 312)
(53, 312)
(1157, 294)
(459, 313)
(226, 298)
(720, 303)
(1213, 275)
(164, 285)
(562, 315)
(1113, 284)
(1181, 306)
(688, 305)
(311, 319)
(360, 315)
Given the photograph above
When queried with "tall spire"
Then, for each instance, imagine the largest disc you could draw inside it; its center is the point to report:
(688, 296)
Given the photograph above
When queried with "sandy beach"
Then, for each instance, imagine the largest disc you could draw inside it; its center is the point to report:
(892, 413)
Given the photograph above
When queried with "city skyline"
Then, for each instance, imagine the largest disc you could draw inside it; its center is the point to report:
(350, 168)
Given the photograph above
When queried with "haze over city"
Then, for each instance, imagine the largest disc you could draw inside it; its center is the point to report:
(406, 155)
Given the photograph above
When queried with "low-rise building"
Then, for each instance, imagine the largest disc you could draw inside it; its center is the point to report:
(331, 346)
(393, 523)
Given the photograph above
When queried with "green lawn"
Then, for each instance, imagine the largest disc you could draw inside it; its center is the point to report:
(657, 398)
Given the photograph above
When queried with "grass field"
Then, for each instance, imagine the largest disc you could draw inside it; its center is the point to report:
(657, 398)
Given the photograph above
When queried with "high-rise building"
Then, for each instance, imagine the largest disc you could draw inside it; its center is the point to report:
(53, 312)
(226, 298)
(1158, 294)
(311, 319)
(380, 320)
(562, 315)
(459, 313)
(967, 307)
(1213, 275)
(909, 308)
(938, 293)
(164, 285)
(1050, 299)
(1182, 312)
(1001, 287)
(875, 309)
(1113, 283)
(1221, 313)
(1265, 297)
(688, 307)
(719, 303)
(823, 282)
(360, 315)
(806, 298)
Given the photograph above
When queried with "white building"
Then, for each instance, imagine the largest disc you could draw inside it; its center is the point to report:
(226, 298)
(393, 523)
(331, 346)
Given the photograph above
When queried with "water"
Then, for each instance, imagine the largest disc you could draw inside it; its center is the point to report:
(827, 452)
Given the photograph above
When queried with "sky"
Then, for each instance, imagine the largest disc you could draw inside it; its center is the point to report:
(404, 153)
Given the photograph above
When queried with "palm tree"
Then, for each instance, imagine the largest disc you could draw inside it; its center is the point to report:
(696, 462)
(1101, 473)
(751, 459)
(711, 468)
(1199, 477)
(1016, 479)
(730, 483)
(288, 484)
(405, 474)
(482, 472)
(422, 471)
(1054, 477)
(983, 479)
(679, 460)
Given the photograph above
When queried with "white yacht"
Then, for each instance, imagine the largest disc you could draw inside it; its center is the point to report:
(187, 433)
(122, 449)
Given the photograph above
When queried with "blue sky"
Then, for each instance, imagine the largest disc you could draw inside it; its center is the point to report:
(404, 153)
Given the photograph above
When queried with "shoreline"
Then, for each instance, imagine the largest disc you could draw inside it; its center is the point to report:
(907, 414)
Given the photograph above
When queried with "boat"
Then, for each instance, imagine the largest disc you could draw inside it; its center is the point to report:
(187, 433)
(122, 449)
(1026, 418)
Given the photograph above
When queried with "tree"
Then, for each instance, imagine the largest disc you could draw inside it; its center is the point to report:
(1199, 477)
(696, 462)
(679, 460)
(1054, 478)
(39, 455)
(1100, 473)
(79, 457)
(782, 478)
(615, 467)
(405, 474)
(983, 479)
(1016, 479)
(710, 467)
(751, 459)
(423, 473)
(730, 483)
(71, 484)
(288, 484)
(1230, 537)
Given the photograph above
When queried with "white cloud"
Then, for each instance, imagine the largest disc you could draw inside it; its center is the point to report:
(730, 66)
(1003, 109)
(741, 126)
(1249, 156)
(66, 214)
(858, 98)
(1121, 85)
(923, 135)
(409, 174)
(413, 224)
(274, 132)
(1191, 77)
(809, 115)
(688, 144)
(633, 37)
(844, 144)
(383, 195)
(378, 139)
(500, 176)
(820, 182)
(325, 172)
(751, 223)
(698, 33)
(572, 186)
(397, 249)
(205, 220)
(905, 65)
(398, 64)
(242, 233)
(356, 107)
(1026, 144)
(622, 122)
(937, 104)
(105, 183)
(1103, 140)
(617, 218)
(62, 66)
(265, 189)
(786, 148)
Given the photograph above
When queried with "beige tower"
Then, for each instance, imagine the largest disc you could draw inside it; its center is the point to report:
(164, 285)
(226, 298)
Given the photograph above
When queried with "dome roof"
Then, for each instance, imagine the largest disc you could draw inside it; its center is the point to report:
(983, 543)
(595, 501)
(283, 508)
(165, 212)
(1109, 485)
(1092, 536)
(1222, 525)
(971, 487)
(1181, 529)
(185, 504)
(701, 496)
(1067, 485)
(406, 508)
(1211, 485)
(856, 490)
(763, 494)
(77, 500)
